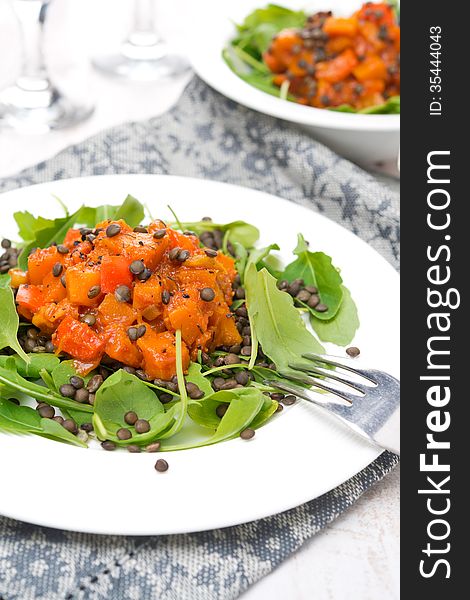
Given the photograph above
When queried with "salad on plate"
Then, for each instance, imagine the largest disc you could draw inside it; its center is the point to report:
(158, 336)
(349, 64)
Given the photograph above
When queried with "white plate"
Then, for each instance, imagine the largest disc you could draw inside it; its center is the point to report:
(364, 138)
(298, 456)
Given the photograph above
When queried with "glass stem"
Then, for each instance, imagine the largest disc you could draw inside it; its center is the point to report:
(144, 32)
(31, 14)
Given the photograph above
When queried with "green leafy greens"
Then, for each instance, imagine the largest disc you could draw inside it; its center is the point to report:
(9, 320)
(38, 232)
(244, 54)
(275, 321)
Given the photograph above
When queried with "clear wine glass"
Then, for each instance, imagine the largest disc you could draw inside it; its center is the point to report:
(144, 55)
(34, 103)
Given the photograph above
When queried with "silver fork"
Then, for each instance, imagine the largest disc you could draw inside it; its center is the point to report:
(371, 399)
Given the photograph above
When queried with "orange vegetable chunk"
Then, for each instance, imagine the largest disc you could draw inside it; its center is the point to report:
(115, 272)
(78, 340)
(79, 280)
(159, 354)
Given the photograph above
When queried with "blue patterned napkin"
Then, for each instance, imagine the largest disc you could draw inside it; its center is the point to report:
(207, 136)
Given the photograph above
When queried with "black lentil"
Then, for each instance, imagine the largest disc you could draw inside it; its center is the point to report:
(61, 249)
(136, 267)
(247, 434)
(77, 382)
(140, 229)
(166, 297)
(303, 296)
(289, 400)
(313, 301)
(153, 447)
(183, 255)
(131, 417)
(57, 269)
(94, 291)
(89, 319)
(242, 378)
(122, 293)
(113, 229)
(94, 384)
(193, 391)
(207, 294)
(108, 445)
(173, 254)
(70, 425)
(67, 390)
(123, 434)
(133, 449)
(46, 411)
(353, 351)
(229, 384)
(142, 426)
(82, 395)
(146, 274)
(161, 233)
(231, 359)
(161, 465)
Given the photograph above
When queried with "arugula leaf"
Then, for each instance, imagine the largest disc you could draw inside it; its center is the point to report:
(12, 380)
(54, 431)
(40, 233)
(316, 269)
(259, 27)
(9, 320)
(341, 329)
(62, 373)
(23, 419)
(258, 255)
(43, 232)
(33, 368)
(119, 394)
(264, 414)
(18, 419)
(131, 210)
(180, 409)
(275, 321)
(195, 376)
(245, 404)
(239, 231)
(390, 107)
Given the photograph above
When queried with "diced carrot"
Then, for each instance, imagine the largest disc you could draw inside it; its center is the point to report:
(41, 262)
(115, 272)
(120, 348)
(72, 235)
(334, 26)
(30, 297)
(53, 289)
(78, 340)
(113, 312)
(338, 68)
(338, 44)
(148, 293)
(159, 354)
(185, 313)
(273, 63)
(79, 280)
(18, 277)
(373, 67)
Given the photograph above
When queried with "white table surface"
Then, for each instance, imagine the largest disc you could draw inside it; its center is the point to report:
(357, 557)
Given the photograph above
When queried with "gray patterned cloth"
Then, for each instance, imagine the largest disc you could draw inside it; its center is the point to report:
(206, 136)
